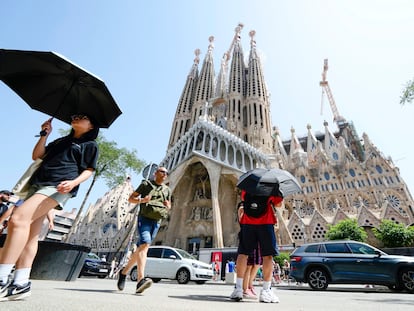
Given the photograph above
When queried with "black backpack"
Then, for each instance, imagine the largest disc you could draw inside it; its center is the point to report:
(254, 205)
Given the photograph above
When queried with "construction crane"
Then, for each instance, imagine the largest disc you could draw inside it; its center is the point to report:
(337, 118)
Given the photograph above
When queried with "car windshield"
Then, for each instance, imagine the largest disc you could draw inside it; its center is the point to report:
(184, 254)
(93, 256)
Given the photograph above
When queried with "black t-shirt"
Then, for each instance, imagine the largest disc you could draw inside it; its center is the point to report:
(66, 158)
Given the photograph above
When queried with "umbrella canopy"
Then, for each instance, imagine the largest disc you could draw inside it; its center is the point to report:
(266, 182)
(50, 83)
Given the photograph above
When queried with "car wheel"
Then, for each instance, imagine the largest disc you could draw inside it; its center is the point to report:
(317, 279)
(133, 275)
(183, 276)
(407, 279)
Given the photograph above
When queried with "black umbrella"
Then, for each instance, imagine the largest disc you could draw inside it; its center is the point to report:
(49, 83)
(266, 182)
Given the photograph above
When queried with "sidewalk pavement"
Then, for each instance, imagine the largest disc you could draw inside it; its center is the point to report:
(94, 294)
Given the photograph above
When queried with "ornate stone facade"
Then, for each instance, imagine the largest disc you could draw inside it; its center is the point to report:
(221, 129)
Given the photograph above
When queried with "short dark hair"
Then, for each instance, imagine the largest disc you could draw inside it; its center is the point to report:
(6, 192)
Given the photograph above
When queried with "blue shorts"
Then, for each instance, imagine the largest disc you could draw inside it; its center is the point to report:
(147, 230)
(253, 235)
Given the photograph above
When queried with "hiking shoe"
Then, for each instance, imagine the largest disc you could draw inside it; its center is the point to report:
(17, 292)
(249, 294)
(237, 294)
(4, 287)
(143, 285)
(266, 295)
(121, 281)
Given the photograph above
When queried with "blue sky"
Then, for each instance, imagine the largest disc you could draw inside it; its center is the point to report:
(144, 50)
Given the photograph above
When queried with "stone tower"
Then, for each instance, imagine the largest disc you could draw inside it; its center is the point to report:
(222, 129)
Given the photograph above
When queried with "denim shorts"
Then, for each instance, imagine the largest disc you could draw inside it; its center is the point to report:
(147, 230)
(51, 192)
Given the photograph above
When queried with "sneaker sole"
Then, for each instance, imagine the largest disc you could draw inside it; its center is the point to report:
(249, 297)
(276, 301)
(19, 296)
(143, 287)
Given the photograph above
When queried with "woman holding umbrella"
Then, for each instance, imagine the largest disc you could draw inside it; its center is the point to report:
(67, 162)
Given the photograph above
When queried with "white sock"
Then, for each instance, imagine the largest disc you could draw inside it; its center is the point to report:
(5, 270)
(21, 276)
(239, 283)
(266, 285)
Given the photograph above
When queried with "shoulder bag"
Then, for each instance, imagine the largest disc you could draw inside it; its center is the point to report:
(22, 186)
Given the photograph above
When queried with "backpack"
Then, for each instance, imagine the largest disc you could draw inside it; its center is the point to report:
(154, 209)
(255, 205)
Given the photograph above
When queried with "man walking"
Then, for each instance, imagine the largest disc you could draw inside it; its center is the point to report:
(154, 198)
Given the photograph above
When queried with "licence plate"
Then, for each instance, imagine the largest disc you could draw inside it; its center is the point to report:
(103, 270)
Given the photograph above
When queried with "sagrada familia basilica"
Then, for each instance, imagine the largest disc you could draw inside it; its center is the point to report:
(221, 129)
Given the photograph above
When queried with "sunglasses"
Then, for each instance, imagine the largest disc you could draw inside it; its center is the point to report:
(79, 117)
(163, 172)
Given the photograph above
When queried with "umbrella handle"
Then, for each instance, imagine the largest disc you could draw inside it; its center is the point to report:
(43, 132)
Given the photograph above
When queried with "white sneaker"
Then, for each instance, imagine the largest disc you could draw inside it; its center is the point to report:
(237, 294)
(266, 295)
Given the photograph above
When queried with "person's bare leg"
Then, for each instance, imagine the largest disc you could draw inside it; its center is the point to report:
(19, 225)
(267, 268)
(253, 274)
(246, 278)
(138, 258)
(142, 260)
(29, 252)
(133, 260)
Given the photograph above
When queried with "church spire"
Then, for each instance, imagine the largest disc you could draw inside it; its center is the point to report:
(256, 111)
(204, 89)
(182, 117)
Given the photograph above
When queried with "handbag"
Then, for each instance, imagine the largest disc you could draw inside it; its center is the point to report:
(22, 186)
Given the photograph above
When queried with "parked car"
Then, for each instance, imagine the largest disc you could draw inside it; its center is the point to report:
(164, 262)
(94, 266)
(350, 262)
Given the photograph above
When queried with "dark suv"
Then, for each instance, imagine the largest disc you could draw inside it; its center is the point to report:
(350, 262)
(95, 266)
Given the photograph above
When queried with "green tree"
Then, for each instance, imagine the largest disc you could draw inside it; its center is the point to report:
(408, 93)
(392, 234)
(112, 165)
(281, 257)
(347, 229)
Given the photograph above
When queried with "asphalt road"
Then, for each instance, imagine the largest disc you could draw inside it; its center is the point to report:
(100, 295)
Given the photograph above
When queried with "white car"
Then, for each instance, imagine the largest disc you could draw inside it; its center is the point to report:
(165, 262)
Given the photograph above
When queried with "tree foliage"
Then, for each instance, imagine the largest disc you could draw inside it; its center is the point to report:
(392, 234)
(114, 163)
(347, 229)
(408, 93)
